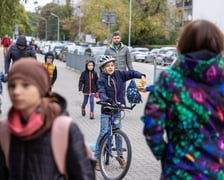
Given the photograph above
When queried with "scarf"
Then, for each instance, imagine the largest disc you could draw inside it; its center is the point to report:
(38, 123)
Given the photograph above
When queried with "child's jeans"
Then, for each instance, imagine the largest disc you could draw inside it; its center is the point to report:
(104, 120)
(91, 101)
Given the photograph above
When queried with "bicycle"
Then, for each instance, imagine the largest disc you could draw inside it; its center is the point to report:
(115, 147)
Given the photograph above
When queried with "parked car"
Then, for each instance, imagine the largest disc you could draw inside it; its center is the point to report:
(170, 56)
(63, 54)
(82, 50)
(97, 51)
(56, 51)
(163, 55)
(151, 56)
(139, 53)
(67, 48)
(44, 47)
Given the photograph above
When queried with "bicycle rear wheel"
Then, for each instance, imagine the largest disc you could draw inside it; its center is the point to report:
(114, 165)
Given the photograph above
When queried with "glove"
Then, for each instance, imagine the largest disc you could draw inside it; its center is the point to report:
(108, 110)
(141, 84)
(109, 100)
(96, 95)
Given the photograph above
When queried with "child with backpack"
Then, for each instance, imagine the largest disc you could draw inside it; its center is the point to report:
(88, 87)
(111, 84)
(29, 150)
(51, 68)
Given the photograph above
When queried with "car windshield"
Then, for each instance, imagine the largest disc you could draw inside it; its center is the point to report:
(143, 50)
(58, 48)
(98, 50)
(162, 51)
(154, 50)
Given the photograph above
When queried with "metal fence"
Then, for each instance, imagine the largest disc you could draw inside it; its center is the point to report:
(78, 62)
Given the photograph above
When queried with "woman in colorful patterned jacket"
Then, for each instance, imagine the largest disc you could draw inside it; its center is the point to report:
(187, 104)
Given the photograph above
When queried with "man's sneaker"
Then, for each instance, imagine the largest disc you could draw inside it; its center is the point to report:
(97, 166)
(121, 161)
(83, 112)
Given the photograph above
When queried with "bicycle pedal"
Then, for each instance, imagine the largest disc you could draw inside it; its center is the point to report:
(122, 149)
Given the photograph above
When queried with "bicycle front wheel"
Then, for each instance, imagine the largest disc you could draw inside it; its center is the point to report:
(115, 158)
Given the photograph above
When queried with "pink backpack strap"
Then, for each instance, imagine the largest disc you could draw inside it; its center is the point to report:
(59, 141)
(5, 140)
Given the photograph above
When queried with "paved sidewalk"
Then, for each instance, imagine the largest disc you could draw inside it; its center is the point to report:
(143, 166)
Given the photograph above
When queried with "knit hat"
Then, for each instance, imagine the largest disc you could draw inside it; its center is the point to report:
(32, 71)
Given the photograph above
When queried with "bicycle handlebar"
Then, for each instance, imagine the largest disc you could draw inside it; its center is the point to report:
(116, 105)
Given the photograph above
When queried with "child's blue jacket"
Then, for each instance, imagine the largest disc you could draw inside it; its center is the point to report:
(113, 86)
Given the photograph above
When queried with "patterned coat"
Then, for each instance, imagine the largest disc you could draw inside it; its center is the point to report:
(187, 103)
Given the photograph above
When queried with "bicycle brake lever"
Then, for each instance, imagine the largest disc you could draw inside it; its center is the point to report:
(133, 106)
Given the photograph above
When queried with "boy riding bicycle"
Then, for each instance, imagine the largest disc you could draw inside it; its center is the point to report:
(111, 88)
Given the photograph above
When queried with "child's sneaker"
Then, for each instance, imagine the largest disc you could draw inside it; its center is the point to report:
(97, 166)
(121, 161)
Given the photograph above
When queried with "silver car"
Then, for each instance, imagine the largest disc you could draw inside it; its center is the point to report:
(163, 55)
(139, 53)
(151, 57)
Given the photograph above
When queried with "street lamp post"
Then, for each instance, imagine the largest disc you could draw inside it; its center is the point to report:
(129, 24)
(45, 26)
(80, 14)
(58, 24)
(183, 9)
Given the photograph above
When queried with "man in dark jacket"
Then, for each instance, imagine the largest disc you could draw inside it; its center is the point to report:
(17, 51)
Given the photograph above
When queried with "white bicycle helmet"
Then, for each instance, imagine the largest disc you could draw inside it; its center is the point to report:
(102, 60)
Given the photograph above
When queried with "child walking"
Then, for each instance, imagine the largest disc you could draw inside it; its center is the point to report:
(111, 84)
(88, 86)
(51, 68)
(28, 129)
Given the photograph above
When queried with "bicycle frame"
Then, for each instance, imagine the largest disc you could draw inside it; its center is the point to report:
(113, 107)
(110, 131)
(115, 147)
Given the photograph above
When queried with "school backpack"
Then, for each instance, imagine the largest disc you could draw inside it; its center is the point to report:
(133, 95)
(59, 141)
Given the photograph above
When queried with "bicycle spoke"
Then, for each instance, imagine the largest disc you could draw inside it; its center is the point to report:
(115, 164)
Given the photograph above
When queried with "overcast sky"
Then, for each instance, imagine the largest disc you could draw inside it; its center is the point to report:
(29, 6)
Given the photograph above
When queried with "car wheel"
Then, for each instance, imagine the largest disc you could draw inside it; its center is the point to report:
(154, 60)
(163, 62)
(146, 60)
